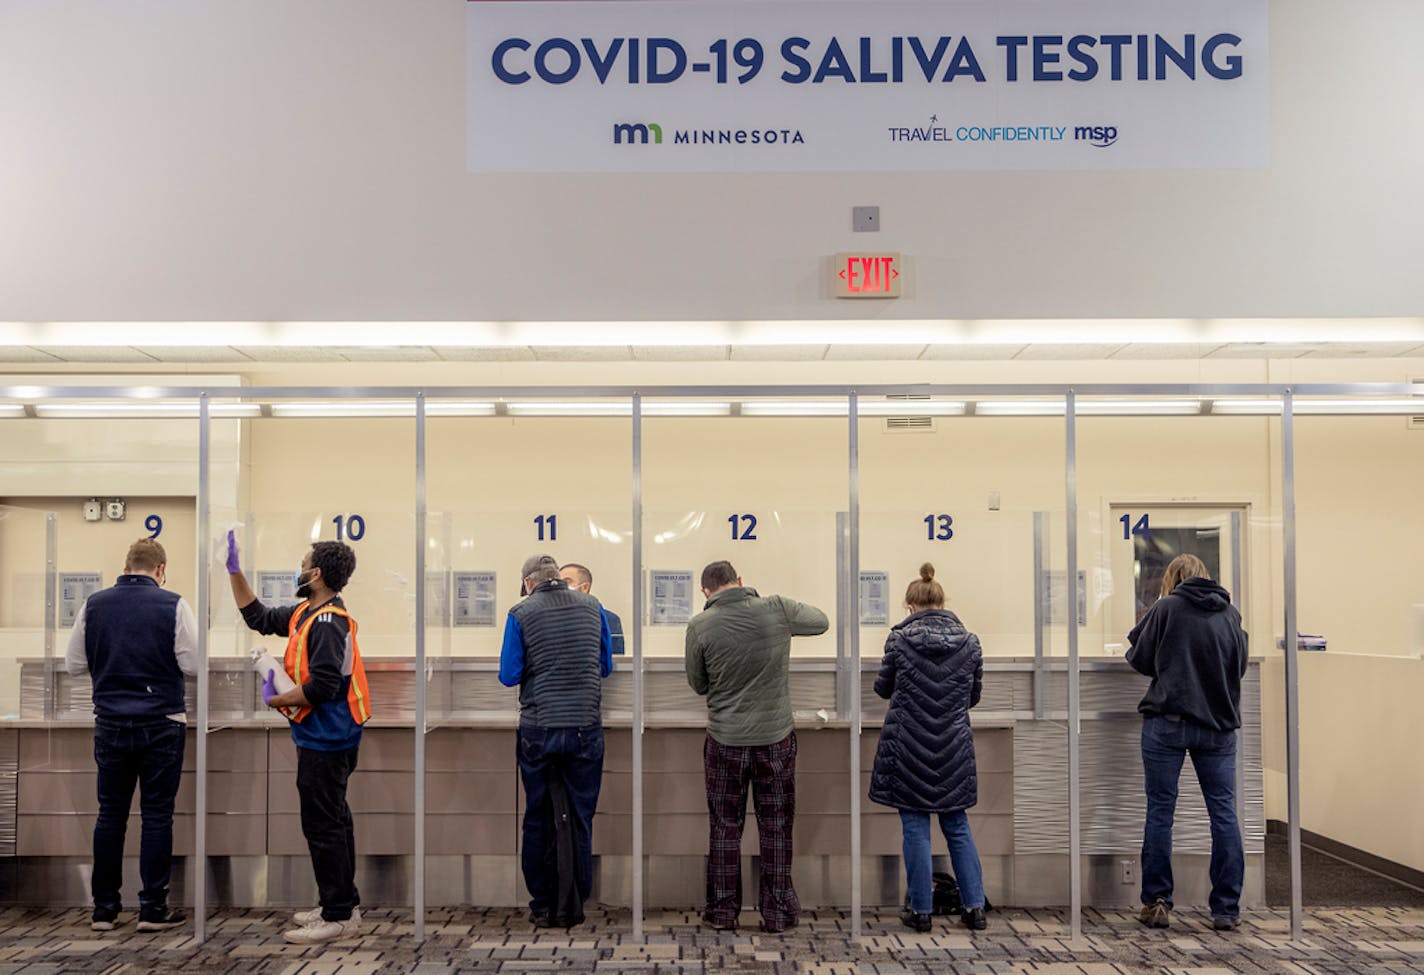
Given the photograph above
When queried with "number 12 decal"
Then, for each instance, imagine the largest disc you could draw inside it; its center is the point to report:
(748, 527)
(1141, 528)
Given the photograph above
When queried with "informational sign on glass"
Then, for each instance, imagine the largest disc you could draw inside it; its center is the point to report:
(74, 588)
(474, 598)
(276, 587)
(437, 598)
(671, 602)
(1055, 592)
(875, 599)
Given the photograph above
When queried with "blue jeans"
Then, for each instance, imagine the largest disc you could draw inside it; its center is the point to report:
(147, 753)
(1165, 743)
(562, 770)
(919, 865)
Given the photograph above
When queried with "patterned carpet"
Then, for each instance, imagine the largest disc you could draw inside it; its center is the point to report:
(1347, 941)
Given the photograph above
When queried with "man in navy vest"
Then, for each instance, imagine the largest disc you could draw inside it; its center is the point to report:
(557, 650)
(136, 640)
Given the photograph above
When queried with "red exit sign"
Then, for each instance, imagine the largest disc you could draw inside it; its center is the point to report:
(867, 275)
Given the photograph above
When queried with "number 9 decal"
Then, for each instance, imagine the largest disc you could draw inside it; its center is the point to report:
(154, 524)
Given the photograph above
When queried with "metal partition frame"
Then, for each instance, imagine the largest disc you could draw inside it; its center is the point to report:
(419, 397)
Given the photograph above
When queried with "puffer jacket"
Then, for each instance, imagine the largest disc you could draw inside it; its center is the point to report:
(932, 674)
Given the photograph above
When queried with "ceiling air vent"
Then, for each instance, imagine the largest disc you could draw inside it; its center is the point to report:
(909, 424)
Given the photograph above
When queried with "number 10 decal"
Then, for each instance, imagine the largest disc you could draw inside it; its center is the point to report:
(747, 525)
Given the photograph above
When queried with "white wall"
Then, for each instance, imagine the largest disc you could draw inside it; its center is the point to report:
(262, 160)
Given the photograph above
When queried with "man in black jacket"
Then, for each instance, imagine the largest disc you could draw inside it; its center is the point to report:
(136, 640)
(1193, 647)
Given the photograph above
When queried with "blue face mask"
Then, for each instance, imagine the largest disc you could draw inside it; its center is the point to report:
(303, 581)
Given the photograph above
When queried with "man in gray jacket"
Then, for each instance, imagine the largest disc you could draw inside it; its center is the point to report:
(738, 654)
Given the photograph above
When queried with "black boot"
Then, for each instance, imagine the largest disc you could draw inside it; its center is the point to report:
(974, 919)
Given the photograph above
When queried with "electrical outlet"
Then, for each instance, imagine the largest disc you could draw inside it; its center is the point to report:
(1129, 871)
(115, 509)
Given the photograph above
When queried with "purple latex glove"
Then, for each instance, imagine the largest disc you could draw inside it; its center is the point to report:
(269, 688)
(232, 565)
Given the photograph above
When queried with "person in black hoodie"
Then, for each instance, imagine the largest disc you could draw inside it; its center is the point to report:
(1193, 647)
(932, 674)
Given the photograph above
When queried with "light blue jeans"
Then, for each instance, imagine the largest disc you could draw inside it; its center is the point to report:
(919, 865)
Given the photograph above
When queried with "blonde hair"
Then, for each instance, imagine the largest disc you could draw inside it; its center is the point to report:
(1180, 569)
(924, 591)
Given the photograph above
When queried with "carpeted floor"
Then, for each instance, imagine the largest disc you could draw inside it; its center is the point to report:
(1329, 882)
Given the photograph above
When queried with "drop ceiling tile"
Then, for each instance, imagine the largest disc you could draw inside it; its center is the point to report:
(777, 353)
(485, 353)
(1262, 350)
(291, 353)
(1361, 350)
(680, 353)
(23, 353)
(583, 353)
(97, 353)
(868, 352)
(1166, 350)
(194, 353)
(1068, 350)
(394, 353)
(971, 351)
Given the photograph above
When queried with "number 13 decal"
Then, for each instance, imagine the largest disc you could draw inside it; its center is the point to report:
(938, 528)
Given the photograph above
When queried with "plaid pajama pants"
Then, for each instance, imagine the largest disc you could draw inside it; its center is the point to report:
(770, 770)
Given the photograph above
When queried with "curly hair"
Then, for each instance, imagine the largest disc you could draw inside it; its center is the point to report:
(336, 561)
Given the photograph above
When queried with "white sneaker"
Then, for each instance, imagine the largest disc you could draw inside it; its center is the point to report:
(303, 918)
(322, 931)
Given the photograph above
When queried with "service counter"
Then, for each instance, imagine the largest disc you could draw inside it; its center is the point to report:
(256, 855)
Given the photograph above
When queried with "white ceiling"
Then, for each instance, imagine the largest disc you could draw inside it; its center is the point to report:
(809, 352)
(707, 341)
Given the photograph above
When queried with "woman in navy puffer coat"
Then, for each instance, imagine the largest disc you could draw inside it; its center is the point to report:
(932, 674)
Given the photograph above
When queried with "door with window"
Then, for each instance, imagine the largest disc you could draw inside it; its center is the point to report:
(1145, 538)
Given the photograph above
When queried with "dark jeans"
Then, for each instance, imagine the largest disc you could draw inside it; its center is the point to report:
(770, 772)
(1165, 744)
(328, 827)
(562, 771)
(147, 753)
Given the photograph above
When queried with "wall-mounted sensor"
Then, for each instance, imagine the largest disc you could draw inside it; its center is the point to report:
(115, 509)
(993, 500)
(93, 510)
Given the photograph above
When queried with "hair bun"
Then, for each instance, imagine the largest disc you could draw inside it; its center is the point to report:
(927, 572)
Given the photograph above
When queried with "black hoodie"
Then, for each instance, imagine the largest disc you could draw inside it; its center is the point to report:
(1193, 647)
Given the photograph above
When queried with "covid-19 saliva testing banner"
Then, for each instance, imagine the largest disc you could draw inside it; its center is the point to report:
(872, 85)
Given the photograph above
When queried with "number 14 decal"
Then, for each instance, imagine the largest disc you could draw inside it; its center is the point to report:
(1141, 528)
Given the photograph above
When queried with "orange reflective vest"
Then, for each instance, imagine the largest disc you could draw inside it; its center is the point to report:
(358, 697)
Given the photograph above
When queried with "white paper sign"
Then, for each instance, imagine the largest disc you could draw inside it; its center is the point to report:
(74, 588)
(875, 599)
(277, 587)
(474, 598)
(833, 85)
(671, 600)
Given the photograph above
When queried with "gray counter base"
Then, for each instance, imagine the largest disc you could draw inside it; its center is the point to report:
(671, 882)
